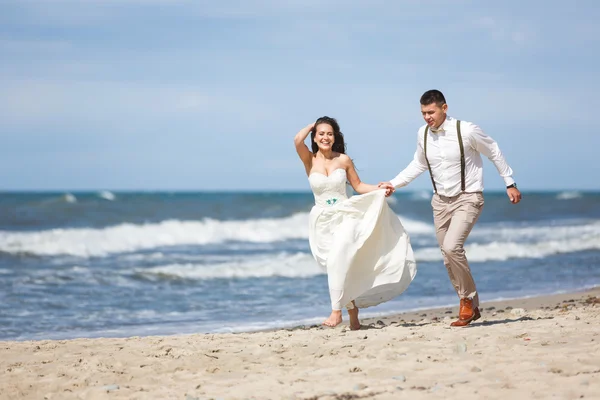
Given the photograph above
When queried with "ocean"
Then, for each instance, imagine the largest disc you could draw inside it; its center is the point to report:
(158, 263)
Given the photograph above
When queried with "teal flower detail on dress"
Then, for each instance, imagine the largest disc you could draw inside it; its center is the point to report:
(331, 201)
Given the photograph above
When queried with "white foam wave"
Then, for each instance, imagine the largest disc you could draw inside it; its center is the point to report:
(537, 233)
(283, 264)
(69, 198)
(87, 242)
(303, 265)
(568, 195)
(106, 195)
(392, 200)
(500, 251)
(421, 195)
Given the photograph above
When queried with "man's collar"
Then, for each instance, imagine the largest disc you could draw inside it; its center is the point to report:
(442, 127)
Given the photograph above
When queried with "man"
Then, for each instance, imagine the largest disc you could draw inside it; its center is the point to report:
(450, 150)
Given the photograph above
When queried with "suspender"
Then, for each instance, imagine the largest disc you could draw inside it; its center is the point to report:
(462, 157)
(426, 159)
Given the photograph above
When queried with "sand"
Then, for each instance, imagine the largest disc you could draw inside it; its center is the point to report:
(538, 348)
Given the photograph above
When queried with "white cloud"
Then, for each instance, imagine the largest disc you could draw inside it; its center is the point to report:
(85, 104)
(80, 12)
(518, 104)
(513, 32)
(34, 46)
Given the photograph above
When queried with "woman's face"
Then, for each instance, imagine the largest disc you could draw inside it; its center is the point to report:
(324, 137)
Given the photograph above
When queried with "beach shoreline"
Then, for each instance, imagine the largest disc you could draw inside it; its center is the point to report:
(535, 347)
(489, 307)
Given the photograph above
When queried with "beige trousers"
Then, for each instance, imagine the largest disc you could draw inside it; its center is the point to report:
(454, 217)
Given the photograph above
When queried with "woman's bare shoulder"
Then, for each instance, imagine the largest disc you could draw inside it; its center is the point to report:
(344, 158)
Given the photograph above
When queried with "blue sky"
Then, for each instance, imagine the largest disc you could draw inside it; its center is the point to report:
(207, 95)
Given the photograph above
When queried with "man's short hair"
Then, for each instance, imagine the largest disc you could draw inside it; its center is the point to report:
(433, 96)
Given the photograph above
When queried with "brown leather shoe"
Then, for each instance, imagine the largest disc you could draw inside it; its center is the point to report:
(466, 313)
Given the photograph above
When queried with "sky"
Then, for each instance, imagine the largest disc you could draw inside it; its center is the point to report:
(208, 95)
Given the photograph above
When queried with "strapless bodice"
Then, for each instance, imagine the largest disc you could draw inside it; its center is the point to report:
(328, 190)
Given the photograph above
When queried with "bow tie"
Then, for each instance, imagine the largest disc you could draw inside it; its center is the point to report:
(438, 130)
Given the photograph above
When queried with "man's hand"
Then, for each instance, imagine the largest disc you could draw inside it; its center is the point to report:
(514, 195)
(389, 189)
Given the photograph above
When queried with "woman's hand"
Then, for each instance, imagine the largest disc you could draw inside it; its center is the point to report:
(389, 189)
(303, 152)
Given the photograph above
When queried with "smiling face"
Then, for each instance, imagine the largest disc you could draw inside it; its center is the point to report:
(434, 114)
(324, 137)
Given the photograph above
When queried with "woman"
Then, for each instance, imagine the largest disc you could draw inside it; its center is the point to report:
(358, 240)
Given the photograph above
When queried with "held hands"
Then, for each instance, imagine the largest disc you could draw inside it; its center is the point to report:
(514, 195)
(389, 189)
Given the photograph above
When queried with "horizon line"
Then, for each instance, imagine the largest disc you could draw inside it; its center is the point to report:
(88, 190)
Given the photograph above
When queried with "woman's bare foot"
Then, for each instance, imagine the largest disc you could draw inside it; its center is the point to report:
(334, 319)
(354, 321)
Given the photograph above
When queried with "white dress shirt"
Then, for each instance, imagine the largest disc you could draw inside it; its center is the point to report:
(443, 153)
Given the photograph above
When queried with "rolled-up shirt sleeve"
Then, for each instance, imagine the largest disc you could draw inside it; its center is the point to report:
(414, 169)
(489, 148)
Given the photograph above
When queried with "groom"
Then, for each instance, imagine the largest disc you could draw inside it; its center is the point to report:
(450, 149)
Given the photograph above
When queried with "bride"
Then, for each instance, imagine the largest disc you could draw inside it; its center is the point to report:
(359, 241)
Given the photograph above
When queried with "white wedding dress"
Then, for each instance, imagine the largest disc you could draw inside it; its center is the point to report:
(360, 242)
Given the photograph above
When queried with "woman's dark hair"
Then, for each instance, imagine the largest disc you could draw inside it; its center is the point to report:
(338, 137)
(433, 96)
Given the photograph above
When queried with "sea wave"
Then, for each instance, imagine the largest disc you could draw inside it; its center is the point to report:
(488, 242)
(107, 195)
(569, 195)
(537, 233)
(69, 198)
(124, 238)
(500, 251)
(421, 195)
(283, 264)
(303, 265)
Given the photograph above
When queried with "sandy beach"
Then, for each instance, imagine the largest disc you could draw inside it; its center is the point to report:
(535, 348)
